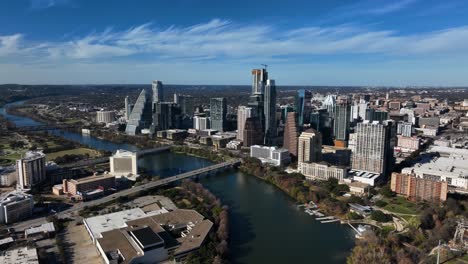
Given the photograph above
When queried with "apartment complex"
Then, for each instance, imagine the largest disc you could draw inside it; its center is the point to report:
(30, 169)
(291, 133)
(416, 188)
(105, 117)
(243, 113)
(322, 171)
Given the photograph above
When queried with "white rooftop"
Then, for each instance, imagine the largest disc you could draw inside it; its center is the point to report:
(44, 228)
(449, 151)
(19, 255)
(32, 155)
(103, 223)
(124, 153)
(448, 165)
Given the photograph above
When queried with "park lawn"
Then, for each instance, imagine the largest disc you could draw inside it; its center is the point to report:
(400, 205)
(78, 151)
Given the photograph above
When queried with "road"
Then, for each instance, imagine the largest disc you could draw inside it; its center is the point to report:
(129, 192)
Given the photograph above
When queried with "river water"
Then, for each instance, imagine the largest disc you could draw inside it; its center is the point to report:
(265, 224)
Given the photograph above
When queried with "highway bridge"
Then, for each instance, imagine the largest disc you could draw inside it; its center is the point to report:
(213, 169)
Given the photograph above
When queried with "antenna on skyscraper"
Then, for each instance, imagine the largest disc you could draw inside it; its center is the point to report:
(264, 66)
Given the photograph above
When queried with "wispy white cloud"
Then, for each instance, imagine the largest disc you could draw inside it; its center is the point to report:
(389, 8)
(225, 40)
(44, 4)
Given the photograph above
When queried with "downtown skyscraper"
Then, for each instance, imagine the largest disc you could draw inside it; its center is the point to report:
(270, 112)
(218, 111)
(372, 148)
(303, 106)
(290, 134)
(309, 146)
(157, 88)
(243, 113)
(341, 124)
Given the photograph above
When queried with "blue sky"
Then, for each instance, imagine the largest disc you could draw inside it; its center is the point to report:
(361, 42)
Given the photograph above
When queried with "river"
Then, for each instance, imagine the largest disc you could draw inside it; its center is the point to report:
(265, 224)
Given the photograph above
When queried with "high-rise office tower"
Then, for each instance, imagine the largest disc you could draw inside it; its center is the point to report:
(201, 122)
(285, 109)
(243, 113)
(303, 106)
(30, 169)
(290, 134)
(329, 103)
(259, 79)
(253, 133)
(372, 148)
(405, 128)
(157, 87)
(309, 146)
(341, 114)
(166, 115)
(128, 108)
(270, 112)
(141, 115)
(321, 121)
(218, 111)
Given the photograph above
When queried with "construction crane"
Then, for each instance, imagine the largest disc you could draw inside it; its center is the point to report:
(264, 66)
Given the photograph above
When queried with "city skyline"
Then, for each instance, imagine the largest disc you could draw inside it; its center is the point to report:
(369, 43)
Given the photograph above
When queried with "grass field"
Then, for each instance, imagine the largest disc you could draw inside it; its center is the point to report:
(78, 151)
(400, 205)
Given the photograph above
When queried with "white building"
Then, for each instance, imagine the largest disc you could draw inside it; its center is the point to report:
(234, 144)
(453, 170)
(201, 122)
(270, 155)
(364, 176)
(105, 117)
(124, 163)
(19, 255)
(30, 169)
(7, 176)
(322, 171)
(243, 113)
(15, 206)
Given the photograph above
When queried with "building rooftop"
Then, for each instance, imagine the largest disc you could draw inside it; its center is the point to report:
(136, 237)
(108, 222)
(92, 178)
(44, 228)
(121, 153)
(32, 155)
(19, 255)
(447, 165)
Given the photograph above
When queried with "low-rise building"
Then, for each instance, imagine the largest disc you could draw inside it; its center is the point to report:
(366, 177)
(358, 188)
(76, 187)
(220, 140)
(19, 255)
(135, 237)
(176, 134)
(322, 171)
(15, 206)
(270, 155)
(416, 188)
(453, 170)
(234, 144)
(45, 230)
